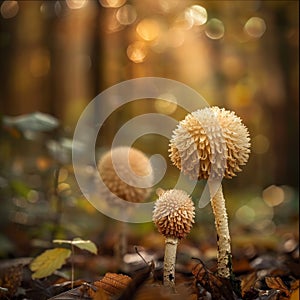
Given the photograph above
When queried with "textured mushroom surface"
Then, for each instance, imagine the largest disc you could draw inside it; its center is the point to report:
(210, 142)
(134, 166)
(174, 213)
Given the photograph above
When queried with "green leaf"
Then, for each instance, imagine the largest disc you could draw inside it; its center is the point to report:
(79, 243)
(85, 245)
(48, 262)
(36, 121)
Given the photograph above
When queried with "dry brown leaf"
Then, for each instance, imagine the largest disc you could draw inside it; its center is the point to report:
(113, 284)
(219, 288)
(276, 283)
(10, 279)
(248, 282)
(100, 295)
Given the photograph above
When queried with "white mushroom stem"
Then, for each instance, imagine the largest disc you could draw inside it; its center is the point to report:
(169, 262)
(223, 236)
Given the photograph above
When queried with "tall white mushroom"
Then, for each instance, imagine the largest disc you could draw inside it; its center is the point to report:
(208, 144)
(173, 216)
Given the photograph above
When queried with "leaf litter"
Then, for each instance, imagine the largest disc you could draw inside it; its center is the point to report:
(263, 276)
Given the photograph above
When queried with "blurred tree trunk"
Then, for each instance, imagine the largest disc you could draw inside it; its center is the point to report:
(72, 75)
(26, 62)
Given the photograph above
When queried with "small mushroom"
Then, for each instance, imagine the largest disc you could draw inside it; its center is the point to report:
(127, 173)
(212, 143)
(173, 216)
(130, 164)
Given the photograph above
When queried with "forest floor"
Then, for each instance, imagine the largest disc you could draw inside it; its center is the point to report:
(266, 274)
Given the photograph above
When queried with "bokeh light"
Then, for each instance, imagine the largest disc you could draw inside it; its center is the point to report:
(196, 15)
(166, 107)
(126, 14)
(9, 9)
(215, 29)
(148, 29)
(76, 4)
(137, 51)
(255, 27)
(245, 215)
(168, 5)
(260, 144)
(112, 3)
(273, 195)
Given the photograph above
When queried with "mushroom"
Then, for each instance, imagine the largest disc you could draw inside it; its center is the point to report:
(130, 164)
(173, 216)
(212, 143)
(127, 173)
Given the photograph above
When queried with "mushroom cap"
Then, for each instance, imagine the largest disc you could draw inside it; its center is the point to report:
(134, 166)
(210, 142)
(174, 213)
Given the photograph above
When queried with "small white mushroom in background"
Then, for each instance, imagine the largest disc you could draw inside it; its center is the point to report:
(173, 216)
(212, 143)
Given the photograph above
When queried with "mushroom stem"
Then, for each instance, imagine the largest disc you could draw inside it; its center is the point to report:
(169, 262)
(121, 244)
(223, 236)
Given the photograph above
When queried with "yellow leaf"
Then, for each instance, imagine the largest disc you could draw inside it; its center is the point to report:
(48, 262)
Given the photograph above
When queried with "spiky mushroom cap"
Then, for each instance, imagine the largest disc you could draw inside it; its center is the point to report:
(174, 213)
(210, 141)
(134, 166)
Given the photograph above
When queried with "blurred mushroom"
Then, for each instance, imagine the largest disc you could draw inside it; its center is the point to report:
(173, 216)
(130, 164)
(212, 143)
(127, 173)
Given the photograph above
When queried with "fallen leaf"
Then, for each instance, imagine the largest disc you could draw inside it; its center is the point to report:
(219, 288)
(113, 284)
(48, 262)
(276, 283)
(74, 294)
(135, 283)
(10, 280)
(248, 282)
